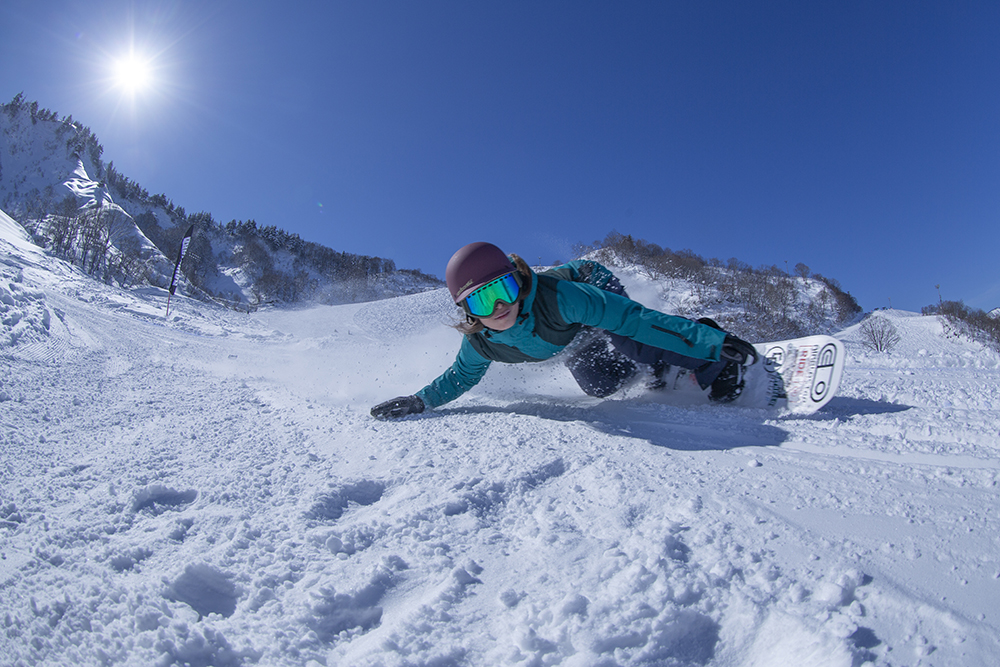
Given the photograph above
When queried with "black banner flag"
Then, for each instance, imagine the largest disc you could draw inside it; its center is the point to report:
(185, 242)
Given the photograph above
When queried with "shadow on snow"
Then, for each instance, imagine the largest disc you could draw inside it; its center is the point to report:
(686, 429)
(841, 407)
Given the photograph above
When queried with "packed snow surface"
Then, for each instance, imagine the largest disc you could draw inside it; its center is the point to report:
(209, 489)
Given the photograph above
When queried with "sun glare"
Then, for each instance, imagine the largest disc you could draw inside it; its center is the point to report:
(132, 74)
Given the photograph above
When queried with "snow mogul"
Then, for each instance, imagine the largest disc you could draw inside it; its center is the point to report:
(514, 315)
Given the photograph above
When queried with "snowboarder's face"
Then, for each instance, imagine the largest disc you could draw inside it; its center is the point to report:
(504, 316)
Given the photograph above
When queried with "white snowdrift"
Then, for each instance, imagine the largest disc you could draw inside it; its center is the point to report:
(210, 490)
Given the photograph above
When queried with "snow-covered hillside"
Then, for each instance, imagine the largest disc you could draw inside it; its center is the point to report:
(52, 178)
(210, 490)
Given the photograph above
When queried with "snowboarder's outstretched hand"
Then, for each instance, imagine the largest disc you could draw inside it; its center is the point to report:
(398, 407)
(737, 349)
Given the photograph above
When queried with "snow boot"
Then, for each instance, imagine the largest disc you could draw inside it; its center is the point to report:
(729, 384)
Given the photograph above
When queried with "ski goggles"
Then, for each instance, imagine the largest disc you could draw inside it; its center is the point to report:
(482, 301)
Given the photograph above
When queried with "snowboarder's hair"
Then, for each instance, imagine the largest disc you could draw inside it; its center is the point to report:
(473, 325)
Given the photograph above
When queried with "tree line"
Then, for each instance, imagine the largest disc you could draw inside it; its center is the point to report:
(972, 323)
(99, 239)
(312, 269)
(82, 142)
(760, 302)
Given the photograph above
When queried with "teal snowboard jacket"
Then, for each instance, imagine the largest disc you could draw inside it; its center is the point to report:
(553, 312)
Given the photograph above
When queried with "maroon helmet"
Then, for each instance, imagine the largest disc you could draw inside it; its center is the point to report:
(473, 266)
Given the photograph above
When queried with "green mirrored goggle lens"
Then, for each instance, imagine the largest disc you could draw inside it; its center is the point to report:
(482, 302)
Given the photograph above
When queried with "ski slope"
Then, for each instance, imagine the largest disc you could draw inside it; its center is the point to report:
(210, 490)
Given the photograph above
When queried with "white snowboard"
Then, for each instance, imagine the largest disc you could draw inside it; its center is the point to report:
(799, 375)
(802, 374)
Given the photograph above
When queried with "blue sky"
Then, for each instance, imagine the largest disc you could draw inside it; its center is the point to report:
(860, 138)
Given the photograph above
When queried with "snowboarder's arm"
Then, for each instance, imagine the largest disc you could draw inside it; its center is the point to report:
(468, 369)
(597, 308)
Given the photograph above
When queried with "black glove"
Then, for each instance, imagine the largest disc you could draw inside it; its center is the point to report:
(398, 407)
(738, 350)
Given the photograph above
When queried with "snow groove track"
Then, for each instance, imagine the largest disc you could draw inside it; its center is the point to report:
(210, 490)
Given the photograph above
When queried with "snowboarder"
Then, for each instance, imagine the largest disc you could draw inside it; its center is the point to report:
(515, 315)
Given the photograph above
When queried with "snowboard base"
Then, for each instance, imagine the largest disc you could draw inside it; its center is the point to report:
(800, 376)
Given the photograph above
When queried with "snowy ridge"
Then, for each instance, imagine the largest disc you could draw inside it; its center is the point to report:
(53, 181)
(210, 490)
(45, 159)
(47, 162)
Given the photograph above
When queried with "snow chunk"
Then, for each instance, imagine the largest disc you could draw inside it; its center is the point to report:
(785, 640)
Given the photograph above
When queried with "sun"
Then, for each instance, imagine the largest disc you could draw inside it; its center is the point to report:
(135, 75)
(132, 73)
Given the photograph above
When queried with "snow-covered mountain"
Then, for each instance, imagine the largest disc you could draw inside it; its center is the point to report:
(53, 180)
(210, 490)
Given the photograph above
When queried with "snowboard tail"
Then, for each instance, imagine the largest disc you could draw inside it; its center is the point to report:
(800, 375)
